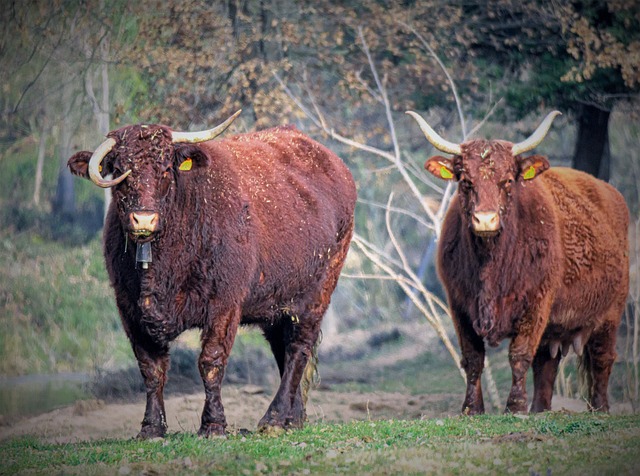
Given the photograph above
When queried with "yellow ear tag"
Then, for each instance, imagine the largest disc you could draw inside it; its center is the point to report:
(186, 165)
(445, 173)
(529, 174)
(100, 168)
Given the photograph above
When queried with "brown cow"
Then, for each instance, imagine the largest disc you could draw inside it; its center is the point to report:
(533, 254)
(213, 234)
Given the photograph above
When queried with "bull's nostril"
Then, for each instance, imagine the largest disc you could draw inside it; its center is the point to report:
(486, 221)
(144, 221)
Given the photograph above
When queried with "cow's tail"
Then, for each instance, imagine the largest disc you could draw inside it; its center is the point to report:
(311, 377)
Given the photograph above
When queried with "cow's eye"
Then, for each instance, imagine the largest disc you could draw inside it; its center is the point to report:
(507, 183)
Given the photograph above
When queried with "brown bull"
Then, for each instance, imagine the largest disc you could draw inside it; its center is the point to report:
(213, 234)
(534, 254)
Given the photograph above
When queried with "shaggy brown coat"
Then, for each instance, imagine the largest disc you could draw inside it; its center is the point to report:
(256, 232)
(552, 271)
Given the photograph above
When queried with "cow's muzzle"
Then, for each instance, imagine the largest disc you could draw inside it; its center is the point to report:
(143, 225)
(485, 223)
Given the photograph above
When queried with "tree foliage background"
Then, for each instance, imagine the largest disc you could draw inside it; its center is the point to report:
(345, 73)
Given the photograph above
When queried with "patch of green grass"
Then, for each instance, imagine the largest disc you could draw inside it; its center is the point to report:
(57, 309)
(505, 444)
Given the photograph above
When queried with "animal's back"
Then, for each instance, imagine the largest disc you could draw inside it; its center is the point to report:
(593, 219)
(301, 199)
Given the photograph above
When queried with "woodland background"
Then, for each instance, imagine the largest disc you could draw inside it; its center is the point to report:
(344, 73)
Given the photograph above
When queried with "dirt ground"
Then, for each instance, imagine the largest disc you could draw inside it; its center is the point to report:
(244, 405)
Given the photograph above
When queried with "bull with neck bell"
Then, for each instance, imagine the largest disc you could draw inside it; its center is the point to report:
(253, 229)
(535, 254)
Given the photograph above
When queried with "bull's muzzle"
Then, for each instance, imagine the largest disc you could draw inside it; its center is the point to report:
(143, 224)
(485, 223)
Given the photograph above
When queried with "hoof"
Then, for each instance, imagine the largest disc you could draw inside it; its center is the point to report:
(468, 411)
(271, 430)
(152, 431)
(212, 430)
(516, 408)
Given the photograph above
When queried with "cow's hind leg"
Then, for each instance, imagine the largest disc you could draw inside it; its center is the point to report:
(545, 369)
(299, 334)
(217, 342)
(287, 414)
(279, 335)
(596, 364)
(154, 364)
(287, 409)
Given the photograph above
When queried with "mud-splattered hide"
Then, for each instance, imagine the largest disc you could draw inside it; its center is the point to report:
(534, 254)
(253, 229)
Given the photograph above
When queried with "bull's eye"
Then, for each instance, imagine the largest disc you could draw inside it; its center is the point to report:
(506, 184)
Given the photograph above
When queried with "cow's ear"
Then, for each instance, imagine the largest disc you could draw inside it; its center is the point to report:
(530, 167)
(190, 157)
(79, 164)
(441, 167)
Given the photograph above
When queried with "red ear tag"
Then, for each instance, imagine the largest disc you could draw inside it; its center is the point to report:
(186, 164)
(445, 173)
(530, 173)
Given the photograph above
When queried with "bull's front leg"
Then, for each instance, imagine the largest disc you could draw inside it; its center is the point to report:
(522, 350)
(473, 352)
(217, 341)
(154, 364)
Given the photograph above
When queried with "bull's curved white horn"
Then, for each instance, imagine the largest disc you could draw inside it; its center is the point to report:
(201, 136)
(431, 135)
(534, 139)
(94, 165)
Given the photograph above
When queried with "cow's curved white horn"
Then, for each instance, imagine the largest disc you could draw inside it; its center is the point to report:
(94, 165)
(431, 135)
(201, 136)
(537, 137)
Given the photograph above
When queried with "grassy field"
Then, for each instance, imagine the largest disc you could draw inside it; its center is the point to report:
(57, 311)
(552, 443)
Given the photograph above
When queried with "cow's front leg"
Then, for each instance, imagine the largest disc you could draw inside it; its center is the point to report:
(472, 362)
(217, 341)
(522, 349)
(154, 364)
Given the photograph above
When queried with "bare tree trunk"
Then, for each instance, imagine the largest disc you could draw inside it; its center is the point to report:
(103, 123)
(100, 107)
(64, 203)
(42, 149)
(592, 144)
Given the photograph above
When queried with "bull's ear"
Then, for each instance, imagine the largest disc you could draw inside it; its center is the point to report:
(190, 157)
(79, 164)
(441, 167)
(530, 167)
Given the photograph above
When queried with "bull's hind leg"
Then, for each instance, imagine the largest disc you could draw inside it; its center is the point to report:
(279, 336)
(597, 362)
(154, 364)
(545, 369)
(287, 409)
(294, 343)
(217, 342)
